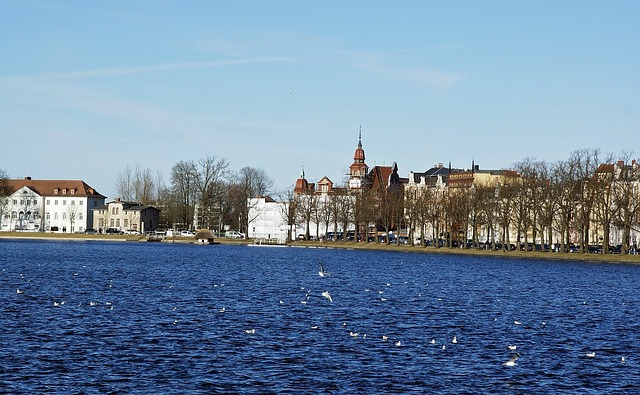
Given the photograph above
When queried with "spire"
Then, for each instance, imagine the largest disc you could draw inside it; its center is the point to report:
(360, 138)
(302, 173)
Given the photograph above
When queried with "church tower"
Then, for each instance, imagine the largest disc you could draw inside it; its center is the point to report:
(358, 169)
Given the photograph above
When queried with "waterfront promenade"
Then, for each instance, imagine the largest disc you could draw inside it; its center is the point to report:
(586, 257)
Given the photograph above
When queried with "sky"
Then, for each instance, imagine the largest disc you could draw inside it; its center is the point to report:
(88, 88)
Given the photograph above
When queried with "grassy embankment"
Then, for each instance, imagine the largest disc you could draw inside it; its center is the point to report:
(610, 258)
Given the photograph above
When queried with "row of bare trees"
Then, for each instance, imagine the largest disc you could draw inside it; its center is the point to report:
(205, 190)
(574, 201)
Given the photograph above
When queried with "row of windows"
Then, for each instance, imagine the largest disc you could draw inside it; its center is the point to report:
(115, 223)
(29, 215)
(64, 202)
(64, 216)
(34, 202)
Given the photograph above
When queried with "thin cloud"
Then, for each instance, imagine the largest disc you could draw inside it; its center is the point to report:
(129, 70)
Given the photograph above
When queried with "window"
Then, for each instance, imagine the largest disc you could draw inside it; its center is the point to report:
(55, 216)
(55, 202)
(64, 215)
(82, 202)
(48, 202)
(48, 216)
(64, 202)
(73, 202)
(80, 217)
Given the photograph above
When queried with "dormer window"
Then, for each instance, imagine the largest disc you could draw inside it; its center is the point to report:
(56, 191)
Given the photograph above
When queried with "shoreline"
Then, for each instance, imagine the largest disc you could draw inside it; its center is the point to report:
(557, 256)
(548, 256)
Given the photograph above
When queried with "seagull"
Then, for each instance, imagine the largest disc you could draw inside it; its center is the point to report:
(454, 340)
(591, 354)
(517, 323)
(353, 334)
(623, 360)
(323, 272)
(222, 310)
(327, 295)
(433, 341)
(250, 331)
(385, 338)
(513, 360)
(512, 348)
(398, 343)
(19, 291)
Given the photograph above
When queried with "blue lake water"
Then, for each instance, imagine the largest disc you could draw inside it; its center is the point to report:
(99, 317)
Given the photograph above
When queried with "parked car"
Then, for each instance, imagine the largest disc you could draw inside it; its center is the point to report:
(232, 234)
(131, 232)
(90, 231)
(112, 231)
(186, 233)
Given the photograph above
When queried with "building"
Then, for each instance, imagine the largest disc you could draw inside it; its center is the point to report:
(268, 220)
(48, 205)
(126, 216)
(358, 171)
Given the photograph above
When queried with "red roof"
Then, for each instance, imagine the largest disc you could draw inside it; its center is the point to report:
(75, 188)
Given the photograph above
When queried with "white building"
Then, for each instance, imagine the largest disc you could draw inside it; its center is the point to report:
(268, 219)
(48, 205)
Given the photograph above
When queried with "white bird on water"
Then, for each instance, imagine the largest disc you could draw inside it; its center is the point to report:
(591, 354)
(323, 272)
(250, 331)
(327, 295)
(512, 348)
(513, 360)
(454, 340)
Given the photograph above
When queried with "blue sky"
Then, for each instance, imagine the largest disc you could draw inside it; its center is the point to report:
(88, 88)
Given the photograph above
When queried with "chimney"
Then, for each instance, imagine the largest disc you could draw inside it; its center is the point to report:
(28, 178)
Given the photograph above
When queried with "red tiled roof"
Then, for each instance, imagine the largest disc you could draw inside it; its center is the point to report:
(72, 188)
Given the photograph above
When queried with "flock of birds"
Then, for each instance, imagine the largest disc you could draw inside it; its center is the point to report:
(398, 343)
(326, 295)
(512, 361)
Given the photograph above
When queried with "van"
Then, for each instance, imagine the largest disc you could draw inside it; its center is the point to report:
(232, 234)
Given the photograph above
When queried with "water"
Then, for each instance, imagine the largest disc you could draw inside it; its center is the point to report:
(146, 318)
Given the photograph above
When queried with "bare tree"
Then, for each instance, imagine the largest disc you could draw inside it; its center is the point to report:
(289, 210)
(184, 185)
(306, 207)
(583, 164)
(626, 200)
(601, 184)
(4, 193)
(137, 185)
(211, 184)
(73, 212)
(249, 182)
(124, 184)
